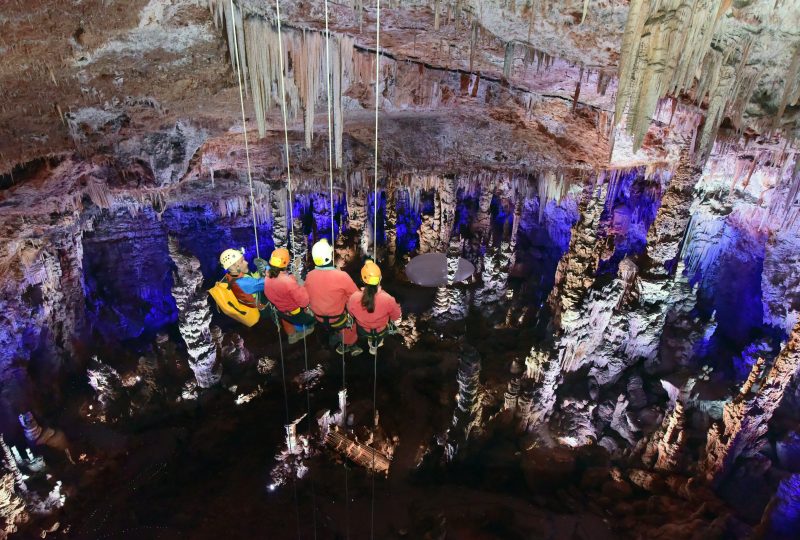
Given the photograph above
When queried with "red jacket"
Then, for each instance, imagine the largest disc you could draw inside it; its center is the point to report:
(386, 309)
(285, 293)
(328, 291)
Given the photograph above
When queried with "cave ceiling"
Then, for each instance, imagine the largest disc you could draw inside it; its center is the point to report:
(92, 76)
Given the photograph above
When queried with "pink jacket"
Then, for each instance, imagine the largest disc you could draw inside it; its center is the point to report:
(285, 293)
(386, 309)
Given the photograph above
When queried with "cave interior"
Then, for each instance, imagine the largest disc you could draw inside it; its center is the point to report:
(611, 190)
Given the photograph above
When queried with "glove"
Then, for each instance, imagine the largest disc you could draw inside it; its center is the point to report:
(261, 265)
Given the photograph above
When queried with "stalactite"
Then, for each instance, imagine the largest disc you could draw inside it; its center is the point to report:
(746, 418)
(195, 316)
(791, 90)
(664, 46)
(304, 75)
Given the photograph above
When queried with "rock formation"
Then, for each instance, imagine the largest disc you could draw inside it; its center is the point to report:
(195, 316)
(575, 271)
(468, 407)
(106, 383)
(746, 418)
(664, 451)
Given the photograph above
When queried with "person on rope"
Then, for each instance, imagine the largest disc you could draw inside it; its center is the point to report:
(246, 286)
(288, 297)
(328, 290)
(373, 308)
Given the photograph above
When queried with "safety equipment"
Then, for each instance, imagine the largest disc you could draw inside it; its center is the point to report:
(279, 258)
(228, 304)
(322, 253)
(230, 257)
(261, 265)
(371, 273)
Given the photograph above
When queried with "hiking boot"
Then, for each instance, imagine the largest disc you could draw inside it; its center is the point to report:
(300, 335)
(354, 350)
(373, 345)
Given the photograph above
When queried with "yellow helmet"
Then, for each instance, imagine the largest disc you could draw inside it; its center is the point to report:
(371, 273)
(280, 258)
(230, 257)
(322, 253)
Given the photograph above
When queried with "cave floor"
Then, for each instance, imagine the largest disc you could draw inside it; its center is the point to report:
(201, 469)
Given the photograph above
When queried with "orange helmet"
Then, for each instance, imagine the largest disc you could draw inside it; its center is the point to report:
(371, 273)
(280, 258)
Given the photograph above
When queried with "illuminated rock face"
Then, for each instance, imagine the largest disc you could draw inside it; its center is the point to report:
(780, 281)
(746, 418)
(664, 450)
(576, 270)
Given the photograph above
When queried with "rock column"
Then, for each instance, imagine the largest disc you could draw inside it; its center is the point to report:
(195, 316)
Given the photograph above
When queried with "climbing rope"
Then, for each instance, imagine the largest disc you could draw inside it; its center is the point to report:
(292, 238)
(333, 245)
(286, 407)
(377, 97)
(244, 128)
(375, 249)
(309, 426)
(285, 132)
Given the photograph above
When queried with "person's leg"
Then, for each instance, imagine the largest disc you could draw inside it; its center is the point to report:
(349, 335)
(289, 327)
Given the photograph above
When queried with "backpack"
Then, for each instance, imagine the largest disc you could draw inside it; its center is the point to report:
(228, 304)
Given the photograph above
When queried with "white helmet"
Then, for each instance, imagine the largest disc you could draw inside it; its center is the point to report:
(230, 257)
(322, 253)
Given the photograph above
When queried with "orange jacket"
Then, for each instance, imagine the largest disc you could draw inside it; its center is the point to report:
(328, 291)
(386, 309)
(285, 293)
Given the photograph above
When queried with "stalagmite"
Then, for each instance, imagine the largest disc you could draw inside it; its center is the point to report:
(746, 418)
(665, 449)
(11, 465)
(12, 507)
(195, 316)
(544, 367)
(107, 385)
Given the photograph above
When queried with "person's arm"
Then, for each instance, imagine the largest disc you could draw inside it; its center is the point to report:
(395, 312)
(349, 285)
(299, 294)
(251, 285)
